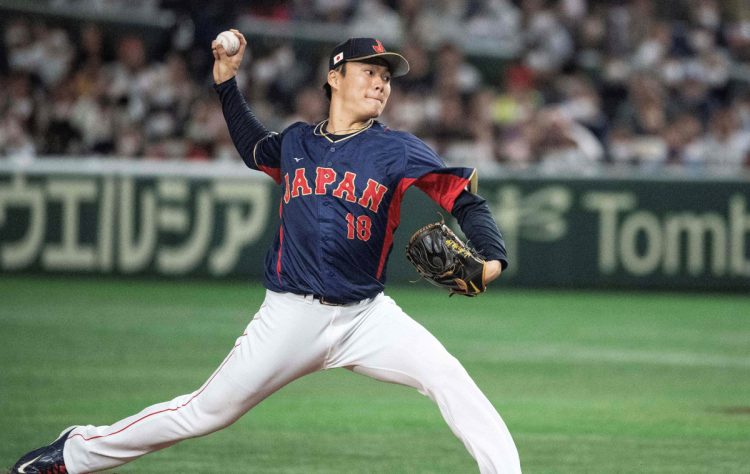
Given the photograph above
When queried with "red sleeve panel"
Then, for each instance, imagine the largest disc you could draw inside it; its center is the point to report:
(444, 185)
(429, 173)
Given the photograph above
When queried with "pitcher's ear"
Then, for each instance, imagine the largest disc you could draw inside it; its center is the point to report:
(333, 78)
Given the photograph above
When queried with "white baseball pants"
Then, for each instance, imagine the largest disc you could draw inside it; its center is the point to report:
(291, 336)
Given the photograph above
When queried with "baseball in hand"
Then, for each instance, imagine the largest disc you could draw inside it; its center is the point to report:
(230, 42)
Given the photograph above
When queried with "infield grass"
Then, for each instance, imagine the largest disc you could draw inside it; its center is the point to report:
(587, 382)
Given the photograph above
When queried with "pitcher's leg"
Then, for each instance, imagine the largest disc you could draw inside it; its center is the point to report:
(93, 448)
(390, 346)
(259, 364)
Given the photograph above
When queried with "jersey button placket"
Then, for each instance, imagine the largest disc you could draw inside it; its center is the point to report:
(327, 223)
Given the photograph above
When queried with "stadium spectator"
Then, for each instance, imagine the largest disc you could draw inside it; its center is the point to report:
(421, 77)
(548, 43)
(560, 144)
(375, 19)
(725, 149)
(309, 106)
(454, 73)
(15, 141)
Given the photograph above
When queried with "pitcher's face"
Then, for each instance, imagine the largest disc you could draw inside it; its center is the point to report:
(365, 88)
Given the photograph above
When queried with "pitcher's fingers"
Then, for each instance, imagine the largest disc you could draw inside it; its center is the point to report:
(243, 42)
(239, 35)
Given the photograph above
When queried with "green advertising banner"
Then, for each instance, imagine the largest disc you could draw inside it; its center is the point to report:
(170, 226)
(625, 233)
(195, 221)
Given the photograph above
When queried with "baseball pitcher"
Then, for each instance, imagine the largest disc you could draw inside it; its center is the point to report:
(342, 183)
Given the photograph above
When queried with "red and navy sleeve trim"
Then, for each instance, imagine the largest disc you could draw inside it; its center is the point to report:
(272, 171)
(444, 185)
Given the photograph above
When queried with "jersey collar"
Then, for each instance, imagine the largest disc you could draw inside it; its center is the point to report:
(319, 130)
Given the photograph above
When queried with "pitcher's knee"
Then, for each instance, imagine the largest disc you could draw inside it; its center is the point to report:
(444, 374)
(206, 412)
(201, 419)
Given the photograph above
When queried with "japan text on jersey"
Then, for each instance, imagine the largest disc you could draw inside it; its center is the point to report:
(341, 204)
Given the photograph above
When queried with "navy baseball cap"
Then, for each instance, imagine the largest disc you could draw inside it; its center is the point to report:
(357, 49)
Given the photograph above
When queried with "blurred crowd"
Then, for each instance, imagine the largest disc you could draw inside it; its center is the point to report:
(554, 85)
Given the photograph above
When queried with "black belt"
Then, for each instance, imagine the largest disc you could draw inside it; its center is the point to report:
(331, 302)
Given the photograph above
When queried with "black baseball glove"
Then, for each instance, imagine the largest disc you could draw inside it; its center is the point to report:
(442, 259)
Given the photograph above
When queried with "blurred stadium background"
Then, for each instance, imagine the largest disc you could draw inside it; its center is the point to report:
(502, 84)
(612, 140)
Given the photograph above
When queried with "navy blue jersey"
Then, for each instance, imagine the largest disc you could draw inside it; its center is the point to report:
(341, 204)
(341, 200)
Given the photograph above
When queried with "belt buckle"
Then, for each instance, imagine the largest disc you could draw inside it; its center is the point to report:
(323, 301)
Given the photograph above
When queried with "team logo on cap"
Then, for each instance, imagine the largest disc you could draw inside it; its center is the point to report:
(379, 48)
(337, 59)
